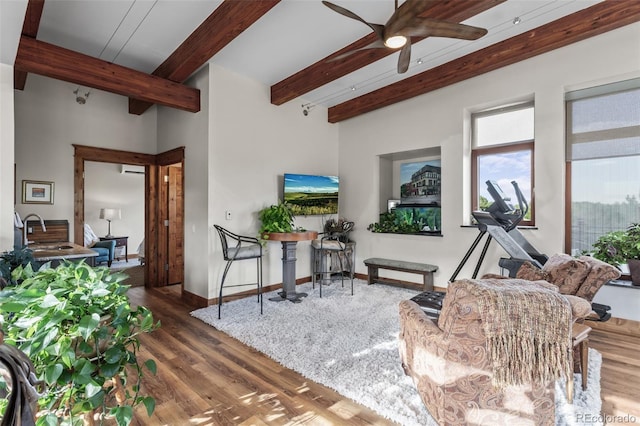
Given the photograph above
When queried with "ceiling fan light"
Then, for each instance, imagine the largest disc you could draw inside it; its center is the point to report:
(395, 41)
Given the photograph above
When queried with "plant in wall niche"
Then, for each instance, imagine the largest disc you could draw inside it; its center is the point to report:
(389, 224)
(276, 218)
(76, 325)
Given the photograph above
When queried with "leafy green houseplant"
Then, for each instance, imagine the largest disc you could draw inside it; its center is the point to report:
(76, 325)
(10, 260)
(275, 218)
(620, 247)
(389, 224)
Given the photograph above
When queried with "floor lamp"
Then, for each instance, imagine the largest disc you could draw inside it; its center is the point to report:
(109, 215)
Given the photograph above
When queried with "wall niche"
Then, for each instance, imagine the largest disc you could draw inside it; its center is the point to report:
(410, 193)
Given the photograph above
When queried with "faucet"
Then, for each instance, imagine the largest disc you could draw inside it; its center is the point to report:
(25, 239)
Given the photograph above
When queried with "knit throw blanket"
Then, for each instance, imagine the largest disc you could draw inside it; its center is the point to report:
(528, 330)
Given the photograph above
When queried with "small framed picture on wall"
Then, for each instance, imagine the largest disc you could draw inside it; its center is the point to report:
(37, 192)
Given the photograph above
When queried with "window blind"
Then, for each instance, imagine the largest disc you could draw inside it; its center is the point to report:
(603, 121)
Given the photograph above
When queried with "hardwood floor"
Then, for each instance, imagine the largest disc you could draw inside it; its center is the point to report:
(207, 378)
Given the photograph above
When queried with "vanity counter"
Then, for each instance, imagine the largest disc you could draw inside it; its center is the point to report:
(56, 252)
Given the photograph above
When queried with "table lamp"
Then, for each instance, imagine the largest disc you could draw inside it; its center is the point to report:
(109, 215)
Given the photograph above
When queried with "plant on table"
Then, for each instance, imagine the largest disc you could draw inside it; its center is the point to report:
(621, 247)
(78, 328)
(618, 247)
(276, 218)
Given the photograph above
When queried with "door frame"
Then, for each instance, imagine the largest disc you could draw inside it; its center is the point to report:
(155, 274)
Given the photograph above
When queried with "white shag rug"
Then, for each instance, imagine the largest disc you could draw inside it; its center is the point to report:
(350, 344)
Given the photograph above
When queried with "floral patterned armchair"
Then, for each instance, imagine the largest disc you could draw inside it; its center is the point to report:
(449, 363)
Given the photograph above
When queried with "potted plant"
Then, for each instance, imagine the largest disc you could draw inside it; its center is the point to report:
(338, 228)
(9, 261)
(275, 218)
(621, 247)
(389, 224)
(76, 325)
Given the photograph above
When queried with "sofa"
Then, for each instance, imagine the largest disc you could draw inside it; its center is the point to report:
(106, 251)
(450, 364)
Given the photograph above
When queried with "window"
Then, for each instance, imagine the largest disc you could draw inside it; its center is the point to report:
(502, 151)
(603, 161)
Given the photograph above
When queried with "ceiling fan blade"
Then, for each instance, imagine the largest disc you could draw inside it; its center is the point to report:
(405, 57)
(375, 45)
(377, 28)
(426, 27)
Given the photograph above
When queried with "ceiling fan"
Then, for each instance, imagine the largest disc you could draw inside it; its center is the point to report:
(406, 23)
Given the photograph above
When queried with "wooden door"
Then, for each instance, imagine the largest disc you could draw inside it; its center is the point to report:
(175, 231)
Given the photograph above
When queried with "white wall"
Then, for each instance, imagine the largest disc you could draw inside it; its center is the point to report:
(48, 121)
(6, 157)
(191, 130)
(253, 143)
(438, 119)
(106, 187)
(237, 149)
(11, 19)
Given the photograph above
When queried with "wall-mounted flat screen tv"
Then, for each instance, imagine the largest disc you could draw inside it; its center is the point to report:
(311, 194)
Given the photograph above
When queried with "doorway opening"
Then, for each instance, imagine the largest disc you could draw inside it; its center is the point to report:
(163, 207)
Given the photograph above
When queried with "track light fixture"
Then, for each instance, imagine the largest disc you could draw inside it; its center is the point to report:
(306, 108)
(80, 99)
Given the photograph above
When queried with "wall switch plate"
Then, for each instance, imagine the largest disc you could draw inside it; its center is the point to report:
(227, 214)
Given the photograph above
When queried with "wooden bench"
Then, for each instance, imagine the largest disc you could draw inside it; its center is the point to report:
(375, 264)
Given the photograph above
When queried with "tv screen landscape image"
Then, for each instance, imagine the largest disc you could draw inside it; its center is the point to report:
(311, 194)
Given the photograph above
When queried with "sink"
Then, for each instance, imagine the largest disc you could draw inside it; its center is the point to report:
(51, 248)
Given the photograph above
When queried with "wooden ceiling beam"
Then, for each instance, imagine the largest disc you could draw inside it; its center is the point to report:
(589, 22)
(326, 71)
(57, 62)
(224, 24)
(29, 28)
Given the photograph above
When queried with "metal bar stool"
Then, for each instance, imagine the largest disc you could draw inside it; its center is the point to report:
(241, 248)
(335, 243)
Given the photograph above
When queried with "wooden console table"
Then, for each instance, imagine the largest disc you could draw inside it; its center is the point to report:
(120, 242)
(289, 241)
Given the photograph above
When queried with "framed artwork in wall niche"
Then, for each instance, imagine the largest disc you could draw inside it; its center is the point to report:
(420, 182)
(37, 192)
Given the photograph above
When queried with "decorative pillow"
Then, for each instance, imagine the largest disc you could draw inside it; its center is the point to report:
(566, 272)
(530, 272)
(600, 273)
(90, 238)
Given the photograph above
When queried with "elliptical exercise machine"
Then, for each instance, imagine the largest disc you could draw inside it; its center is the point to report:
(499, 222)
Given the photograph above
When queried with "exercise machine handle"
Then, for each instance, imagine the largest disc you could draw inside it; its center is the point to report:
(522, 202)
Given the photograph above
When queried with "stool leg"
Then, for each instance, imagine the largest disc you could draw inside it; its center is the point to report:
(260, 283)
(224, 276)
(313, 268)
(584, 361)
